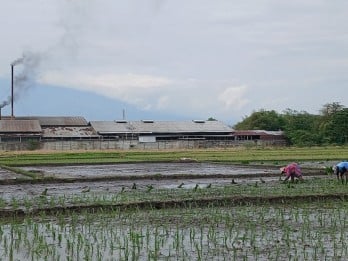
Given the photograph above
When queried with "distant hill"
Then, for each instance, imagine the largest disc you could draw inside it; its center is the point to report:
(43, 100)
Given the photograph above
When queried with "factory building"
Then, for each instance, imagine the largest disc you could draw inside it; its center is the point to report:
(69, 133)
(152, 131)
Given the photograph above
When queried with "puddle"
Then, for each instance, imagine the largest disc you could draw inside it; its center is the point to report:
(136, 169)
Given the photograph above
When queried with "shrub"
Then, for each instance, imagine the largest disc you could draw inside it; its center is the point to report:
(33, 145)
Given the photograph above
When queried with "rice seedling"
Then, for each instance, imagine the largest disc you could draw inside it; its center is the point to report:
(301, 231)
(236, 221)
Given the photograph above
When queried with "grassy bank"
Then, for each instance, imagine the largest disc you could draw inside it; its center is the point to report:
(232, 155)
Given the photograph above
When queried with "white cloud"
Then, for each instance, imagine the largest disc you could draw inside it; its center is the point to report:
(131, 88)
(233, 98)
(118, 82)
(162, 102)
(190, 57)
(149, 92)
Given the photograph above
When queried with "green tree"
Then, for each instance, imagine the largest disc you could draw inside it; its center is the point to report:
(336, 128)
(261, 120)
(333, 125)
(301, 128)
(331, 108)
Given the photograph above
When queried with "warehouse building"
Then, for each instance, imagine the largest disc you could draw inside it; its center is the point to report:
(152, 131)
(19, 130)
(69, 133)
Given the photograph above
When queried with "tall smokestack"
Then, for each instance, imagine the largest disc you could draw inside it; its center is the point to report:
(18, 61)
(12, 90)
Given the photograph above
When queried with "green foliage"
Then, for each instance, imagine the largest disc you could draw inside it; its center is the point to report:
(261, 120)
(302, 138)
(331, 108)
(302, 128)
(329, 170)
(33, 145)
(336, 127)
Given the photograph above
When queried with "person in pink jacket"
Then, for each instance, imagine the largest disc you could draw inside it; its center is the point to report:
(292, 171)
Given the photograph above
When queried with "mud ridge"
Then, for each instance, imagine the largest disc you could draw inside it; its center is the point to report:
(49, 180)
(168, 204)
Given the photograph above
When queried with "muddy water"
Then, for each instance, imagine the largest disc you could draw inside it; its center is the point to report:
(136, 169)
(85, 172)
(21, 191)
(173, 176)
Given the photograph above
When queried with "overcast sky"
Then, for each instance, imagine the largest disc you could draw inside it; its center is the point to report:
(177, 58)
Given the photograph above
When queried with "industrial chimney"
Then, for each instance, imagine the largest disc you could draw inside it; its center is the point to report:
(12, 65)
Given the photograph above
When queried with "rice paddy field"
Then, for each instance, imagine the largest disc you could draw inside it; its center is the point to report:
(213, 205)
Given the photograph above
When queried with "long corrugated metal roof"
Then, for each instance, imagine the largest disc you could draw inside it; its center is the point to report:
(112, 127)
(57, 120)
(149, 126)
(181, 126)
(20, 126)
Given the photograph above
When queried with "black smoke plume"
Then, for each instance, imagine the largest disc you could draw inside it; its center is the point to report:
(25, 73)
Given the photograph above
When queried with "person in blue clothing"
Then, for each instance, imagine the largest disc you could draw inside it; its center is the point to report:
(340, 170)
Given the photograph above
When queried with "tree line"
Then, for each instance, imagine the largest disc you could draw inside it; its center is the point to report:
(301, 128)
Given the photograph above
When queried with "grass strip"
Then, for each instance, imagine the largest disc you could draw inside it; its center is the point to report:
(228, 155)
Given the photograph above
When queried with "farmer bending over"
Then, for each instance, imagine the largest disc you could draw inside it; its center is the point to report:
(341, 169)
(291, 171)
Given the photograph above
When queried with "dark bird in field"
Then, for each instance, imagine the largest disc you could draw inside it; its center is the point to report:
(44, 193)
(196, 187)
(256, 184)
(86, 189)
(149, 188)
(233, 182)
(182, 184)
(122, 190)
(209, 185)
(134, 186)
(262, 181)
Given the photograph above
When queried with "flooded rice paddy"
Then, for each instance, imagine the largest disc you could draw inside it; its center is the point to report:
(136, 169)
(120, 177)
(298, 231)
